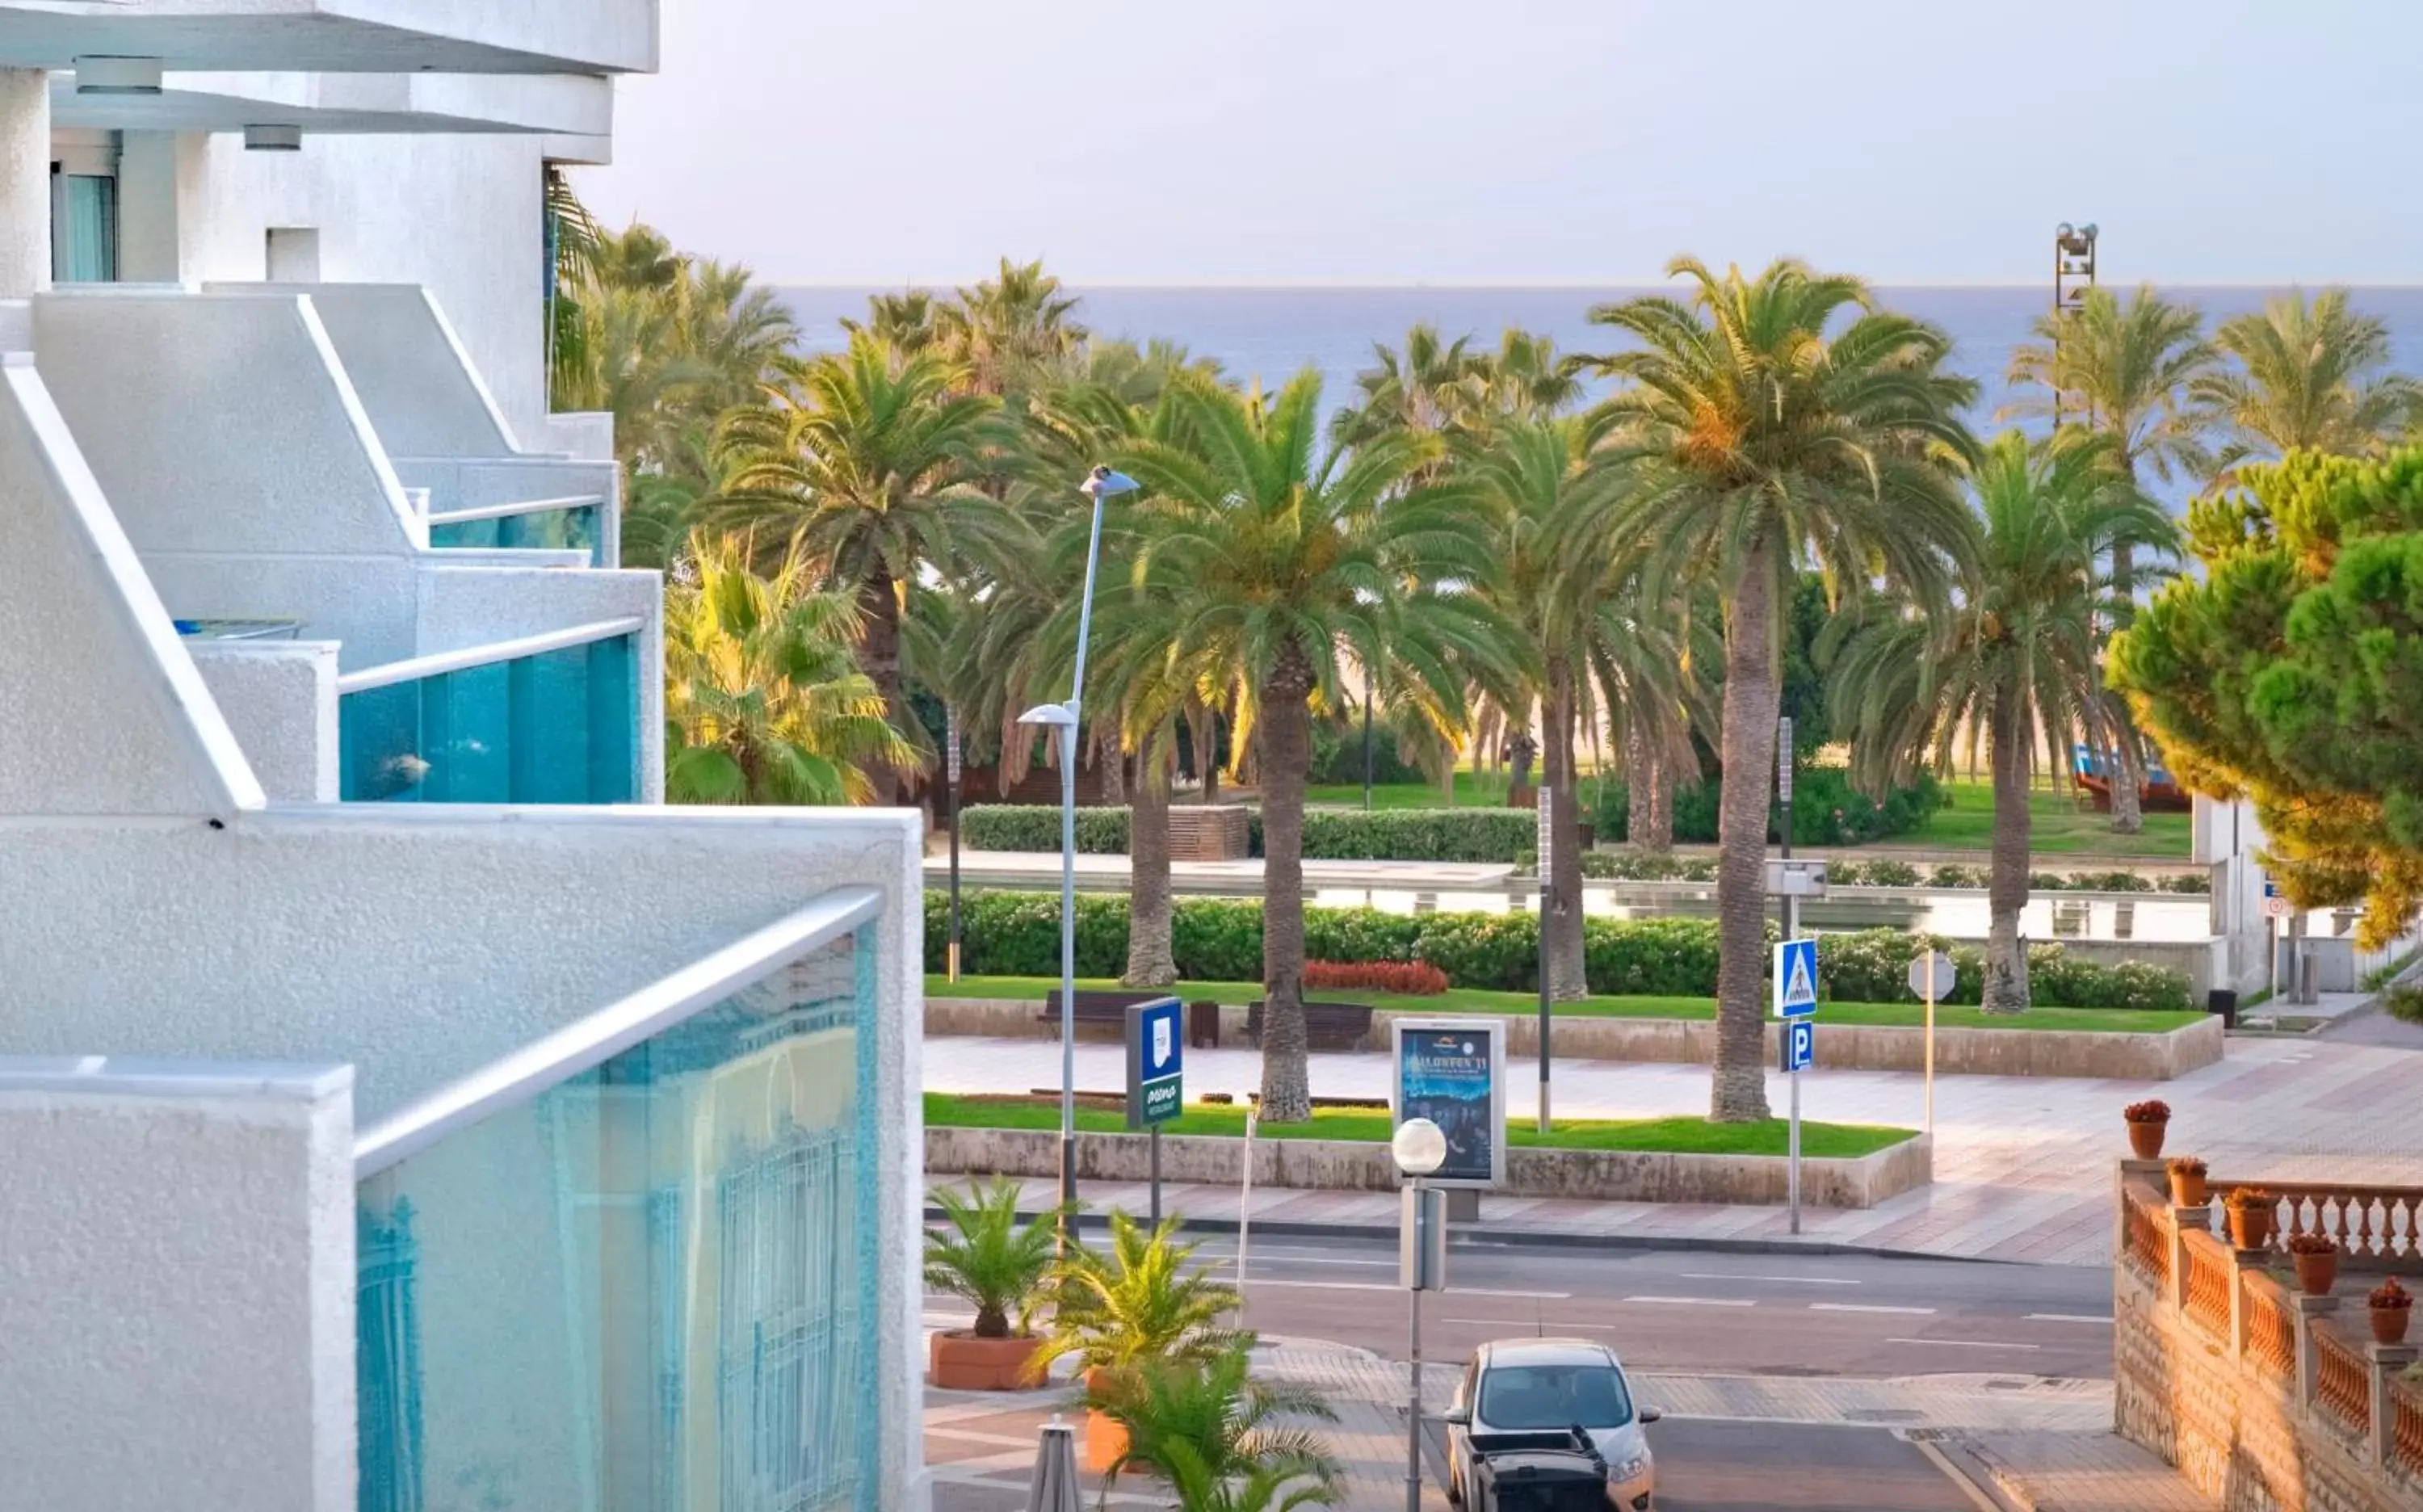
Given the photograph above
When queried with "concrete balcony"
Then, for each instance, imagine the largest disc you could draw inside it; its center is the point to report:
(337, 35)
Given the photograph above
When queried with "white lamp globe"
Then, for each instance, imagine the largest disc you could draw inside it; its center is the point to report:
(1418, 1146)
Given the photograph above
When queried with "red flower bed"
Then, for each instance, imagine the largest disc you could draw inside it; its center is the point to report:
(1414, 978)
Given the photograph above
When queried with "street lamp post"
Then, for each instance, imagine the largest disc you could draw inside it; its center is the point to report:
(1419, 1149)
(1100, 484)
(951, 782)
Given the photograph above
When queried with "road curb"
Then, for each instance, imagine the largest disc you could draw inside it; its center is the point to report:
(1484, 1239)
(1992, 1475)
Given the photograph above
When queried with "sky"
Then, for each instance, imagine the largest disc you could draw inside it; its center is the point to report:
(1526, 141)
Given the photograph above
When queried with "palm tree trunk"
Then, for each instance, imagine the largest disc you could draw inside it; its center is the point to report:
(2128, 814)
(1285, 753)
(1110, 763)
(1152, 960)
(1206, 758)
(2006, 895)
(879, 657)
(1649, 788)
(1738, 1090)
(1568, 972)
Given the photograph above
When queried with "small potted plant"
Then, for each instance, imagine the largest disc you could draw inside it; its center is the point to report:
(2316, 1259)
(2391, 1305)
(2149, 1121)
(984, 1255)
(2187, 1181)
(2250, 1216)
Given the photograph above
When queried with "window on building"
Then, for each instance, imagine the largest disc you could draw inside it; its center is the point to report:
(83, 227)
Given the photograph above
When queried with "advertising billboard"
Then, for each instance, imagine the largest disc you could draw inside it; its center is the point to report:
(1452, 1072)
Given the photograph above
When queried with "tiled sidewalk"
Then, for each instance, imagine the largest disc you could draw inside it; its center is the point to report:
(2023, 1164)
(2054, 1471)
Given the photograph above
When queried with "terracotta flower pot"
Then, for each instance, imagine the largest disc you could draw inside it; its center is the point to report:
(2250, 1228)
(2315, 1274)
(2187, 1189)
(2146, 1138)
(2389, 1324)
(960, 1361)
(1106, 1438)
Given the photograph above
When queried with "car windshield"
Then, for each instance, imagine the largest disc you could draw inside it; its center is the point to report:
(1554, 1396)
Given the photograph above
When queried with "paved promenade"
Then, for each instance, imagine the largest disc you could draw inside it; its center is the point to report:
(2023, 1165)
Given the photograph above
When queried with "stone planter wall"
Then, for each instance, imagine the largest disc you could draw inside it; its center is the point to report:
(2154, 1057)
(1337, 1165)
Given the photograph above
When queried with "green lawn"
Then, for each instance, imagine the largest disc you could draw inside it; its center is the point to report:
(1473, 1000)
(1472, 789)
(2057, 826)
(1373, 1126)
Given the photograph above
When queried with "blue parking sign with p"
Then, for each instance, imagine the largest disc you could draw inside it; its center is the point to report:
(1799, 1042)
(1795, 977)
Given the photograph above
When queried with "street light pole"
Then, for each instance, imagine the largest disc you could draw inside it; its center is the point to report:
(1367, 738)
(951, 783)
(1101, 485)
(1420, 1148)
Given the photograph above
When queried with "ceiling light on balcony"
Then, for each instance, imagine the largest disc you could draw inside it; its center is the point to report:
(106, 74)
(273, 138)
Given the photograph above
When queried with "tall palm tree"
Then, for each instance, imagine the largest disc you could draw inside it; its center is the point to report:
(907, 320)
(2017, 653)
(1418, 388)
(2131, 368)
(763, 701)
(2309, 375)
(1006, 325)
(857, 461)
(1280, 561)
(1758, 441)
(1215, 1434)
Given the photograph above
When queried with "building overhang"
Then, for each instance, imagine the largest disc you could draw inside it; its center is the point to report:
(452, 104)
(337, 36)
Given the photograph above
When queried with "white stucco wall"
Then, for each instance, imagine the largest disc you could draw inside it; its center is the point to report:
(420, 944)
(179, 1304)
(279, 697)
(459, 215)
(409, 367)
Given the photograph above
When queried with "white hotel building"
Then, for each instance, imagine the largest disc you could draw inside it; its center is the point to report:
(400, 1109)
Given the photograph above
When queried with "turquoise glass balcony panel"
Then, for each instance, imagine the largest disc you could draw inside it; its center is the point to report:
(651, 1288)
(573, 529)
(560, 726)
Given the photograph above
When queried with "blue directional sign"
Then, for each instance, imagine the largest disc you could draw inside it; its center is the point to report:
(1156, 1071)
(1800, 1044)
(1795, 977)
(2271, 888)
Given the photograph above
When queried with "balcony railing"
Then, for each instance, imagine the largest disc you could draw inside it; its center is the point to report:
(536, 524)
(2378, 1228)
(549, 719)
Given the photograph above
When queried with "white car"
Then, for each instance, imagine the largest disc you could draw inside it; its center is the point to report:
(1548, 1386)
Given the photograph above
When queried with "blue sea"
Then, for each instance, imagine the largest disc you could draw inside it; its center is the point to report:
(1272, 333)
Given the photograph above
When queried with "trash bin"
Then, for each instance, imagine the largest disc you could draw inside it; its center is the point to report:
(2222, 1001)
(1203, 1025)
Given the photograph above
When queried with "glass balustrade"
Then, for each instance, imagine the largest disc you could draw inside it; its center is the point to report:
(559, 725)
(649, 1288)
(570, 529)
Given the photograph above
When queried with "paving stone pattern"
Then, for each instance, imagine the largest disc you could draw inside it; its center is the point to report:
(2052, 1472)
(2023, 1164)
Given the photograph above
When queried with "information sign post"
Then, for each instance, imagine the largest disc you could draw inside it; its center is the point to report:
(1795, 1004)
(1156, 1075)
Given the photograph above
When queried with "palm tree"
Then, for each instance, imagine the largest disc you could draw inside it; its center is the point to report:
(1212, 1431)
(1276, 561)
(857, 462)
(984, 1255)
(1141, 1297)
(1008, 324)
(1756, 443)
(763, 701)
(907, 320)
(1419, 388)
(2017, 653)
(2130, 369)
(2309, 376)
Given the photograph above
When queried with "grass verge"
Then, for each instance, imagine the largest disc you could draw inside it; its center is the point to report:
(1474, 1000)
(2057, 826)
(1691, 1136)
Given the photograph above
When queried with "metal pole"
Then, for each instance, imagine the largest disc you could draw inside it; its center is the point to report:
(1367, 738)
(1156, 1175)
(1547, 898)
(1245, 1208)
(1069, 880)
(1413, 1372)
(951, 764)
(1795, 1147)
(1930, 1044)
(1791, 931)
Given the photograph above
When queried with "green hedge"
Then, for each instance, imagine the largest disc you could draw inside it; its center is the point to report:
(1826, 809)
(1215, 939)
(1484, 835)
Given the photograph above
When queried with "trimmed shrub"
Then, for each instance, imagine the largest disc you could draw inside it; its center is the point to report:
(1640, 865)
(1889, 874)
(1484, 835)
(2188, 883)
(1872, 966)
(1101, 832)
(1958, 876)
(1412, 979)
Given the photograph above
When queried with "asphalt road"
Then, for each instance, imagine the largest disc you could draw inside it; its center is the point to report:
(1697, 1311)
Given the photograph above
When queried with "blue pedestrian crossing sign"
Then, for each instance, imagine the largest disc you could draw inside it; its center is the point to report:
(1795, 977)
(1799, 1042)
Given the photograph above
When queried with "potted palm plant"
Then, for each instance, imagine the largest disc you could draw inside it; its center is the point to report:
(2149, 1121)
(984, 1255)
(1138, 1300)
(2391, 1306)
(2250, 1216)
(2316, 1259)
(1205, 1426)
(2187, 1181)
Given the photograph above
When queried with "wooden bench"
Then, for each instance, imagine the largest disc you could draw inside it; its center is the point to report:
(1095, 1009)
(1326, 1026)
